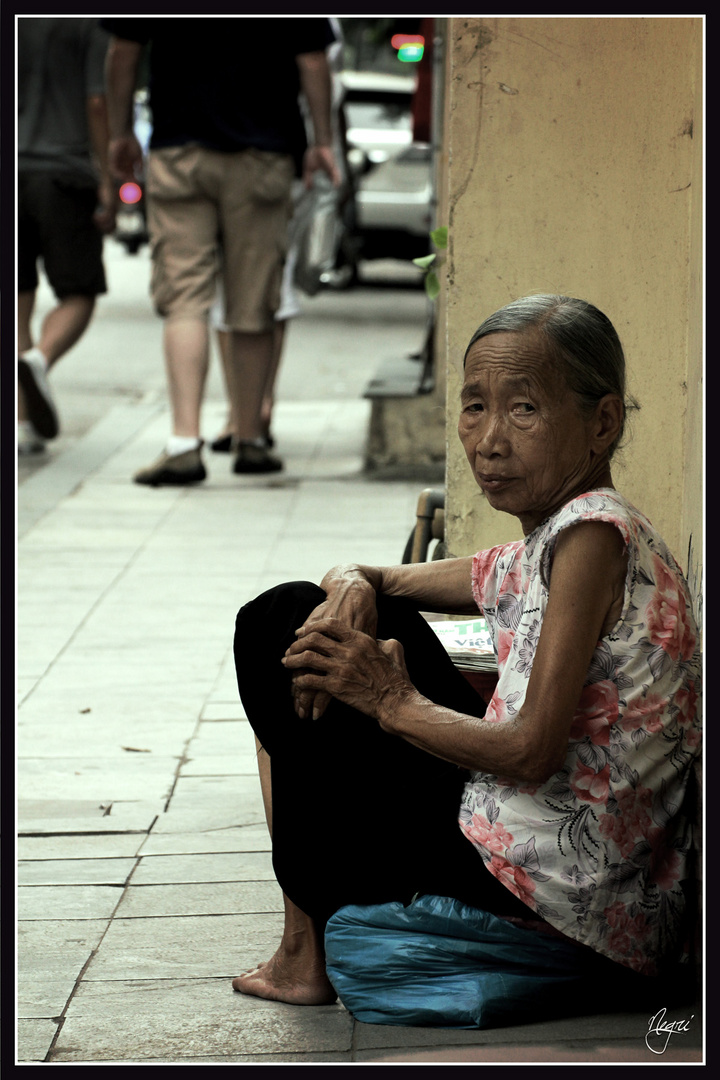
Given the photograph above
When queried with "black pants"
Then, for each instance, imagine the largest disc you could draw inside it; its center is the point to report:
(359, 816)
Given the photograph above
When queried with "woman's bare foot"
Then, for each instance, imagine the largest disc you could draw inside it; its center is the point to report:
(289, 979)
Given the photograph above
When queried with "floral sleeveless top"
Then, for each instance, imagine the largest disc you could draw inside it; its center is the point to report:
(600, 849)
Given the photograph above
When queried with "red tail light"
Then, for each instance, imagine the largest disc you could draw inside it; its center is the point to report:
(130, 193)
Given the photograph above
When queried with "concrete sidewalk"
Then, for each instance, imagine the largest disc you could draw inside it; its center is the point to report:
(144, 873)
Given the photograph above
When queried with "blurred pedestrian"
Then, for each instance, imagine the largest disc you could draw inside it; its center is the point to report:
(228, 137)
(66, 201)
(290, 306)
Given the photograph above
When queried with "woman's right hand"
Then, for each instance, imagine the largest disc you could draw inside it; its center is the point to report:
(351, 598)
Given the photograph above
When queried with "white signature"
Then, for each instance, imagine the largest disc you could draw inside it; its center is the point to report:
(660, 1027)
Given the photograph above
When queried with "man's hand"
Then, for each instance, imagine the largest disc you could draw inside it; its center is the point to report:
(104, 216)
(125, 158)
(320, 159)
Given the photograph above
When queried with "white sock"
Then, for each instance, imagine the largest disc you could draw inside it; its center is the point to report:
(180, 444)
(34, 355)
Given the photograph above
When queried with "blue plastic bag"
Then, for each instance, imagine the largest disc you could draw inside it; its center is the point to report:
(441, 963)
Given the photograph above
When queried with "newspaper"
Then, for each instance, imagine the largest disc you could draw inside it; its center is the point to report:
(468, 643)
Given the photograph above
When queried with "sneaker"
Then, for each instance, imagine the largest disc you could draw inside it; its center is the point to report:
(253, 456)
(184, 468)
(28, 440)
(39, 402)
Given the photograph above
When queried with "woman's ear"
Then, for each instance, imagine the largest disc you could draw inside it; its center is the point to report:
(607, 422)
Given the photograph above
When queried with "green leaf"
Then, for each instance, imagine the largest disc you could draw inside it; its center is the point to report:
(439, 236)
(424, 261)
(432, 285)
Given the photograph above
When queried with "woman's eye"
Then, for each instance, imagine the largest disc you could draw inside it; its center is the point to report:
(525, 408)
(474, 407)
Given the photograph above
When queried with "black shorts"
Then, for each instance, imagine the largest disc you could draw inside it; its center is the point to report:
(55, 224)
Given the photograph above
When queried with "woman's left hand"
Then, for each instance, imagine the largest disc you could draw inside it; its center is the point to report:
(349, 665)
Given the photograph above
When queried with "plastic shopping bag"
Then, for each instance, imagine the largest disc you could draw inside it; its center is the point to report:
(319, 231)
(441, 963)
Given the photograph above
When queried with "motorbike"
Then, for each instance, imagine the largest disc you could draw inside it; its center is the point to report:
(131, 218)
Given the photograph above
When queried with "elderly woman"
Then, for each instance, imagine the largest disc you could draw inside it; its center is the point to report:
(384, 775)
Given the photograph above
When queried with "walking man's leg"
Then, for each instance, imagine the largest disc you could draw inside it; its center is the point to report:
(186, 344)
(184, 229)
(55, 223)
(250, 363)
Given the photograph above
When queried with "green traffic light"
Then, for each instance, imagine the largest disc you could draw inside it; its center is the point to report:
(410, 54)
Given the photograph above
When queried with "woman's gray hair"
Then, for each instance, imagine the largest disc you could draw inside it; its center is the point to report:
(582, 341)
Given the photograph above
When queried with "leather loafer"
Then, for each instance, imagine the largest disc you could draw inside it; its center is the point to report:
(175, 469)
(253, 456)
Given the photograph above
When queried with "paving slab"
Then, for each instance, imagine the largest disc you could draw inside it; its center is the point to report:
(227, 795)
(83, 846)
(64, 817)
(55, 949)
(210, 818)
(42, 902)
(34, 1039)
(73, 710)
(39, 998)
(222, 732)
(243, 763)
(200, 898)
(104, 779)
(253, 837)
(175, 1019)
(179, 869)
(171, 947)
(75, 871)
(223, 710)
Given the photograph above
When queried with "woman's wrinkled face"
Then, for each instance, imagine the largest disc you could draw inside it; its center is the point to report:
(525, 437)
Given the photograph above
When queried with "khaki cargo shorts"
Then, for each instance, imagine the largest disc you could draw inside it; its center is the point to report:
(213, 213)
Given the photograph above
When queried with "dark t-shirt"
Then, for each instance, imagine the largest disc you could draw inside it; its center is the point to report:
(226, 83)
(61, 63)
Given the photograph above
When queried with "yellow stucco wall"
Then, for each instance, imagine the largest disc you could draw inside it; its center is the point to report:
(575, 166)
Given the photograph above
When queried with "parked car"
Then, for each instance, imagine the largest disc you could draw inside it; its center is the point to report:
(393, 174)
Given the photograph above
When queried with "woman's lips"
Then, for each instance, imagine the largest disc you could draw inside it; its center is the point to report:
(493, 481)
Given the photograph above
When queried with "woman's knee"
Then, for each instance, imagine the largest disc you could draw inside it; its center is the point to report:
(273, 615)
(279, 603)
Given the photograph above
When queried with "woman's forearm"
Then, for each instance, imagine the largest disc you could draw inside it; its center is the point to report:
(515, 748)
(443, 586)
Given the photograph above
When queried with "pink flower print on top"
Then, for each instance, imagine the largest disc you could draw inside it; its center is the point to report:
(667, 616)
(504, 645)
(687, 701)
(634, 732)
(596, 711)
(514, 878)
(484, 566)
(512, 582)
(493, 837)
(646, 712)
(590, 786)
(632, 822)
